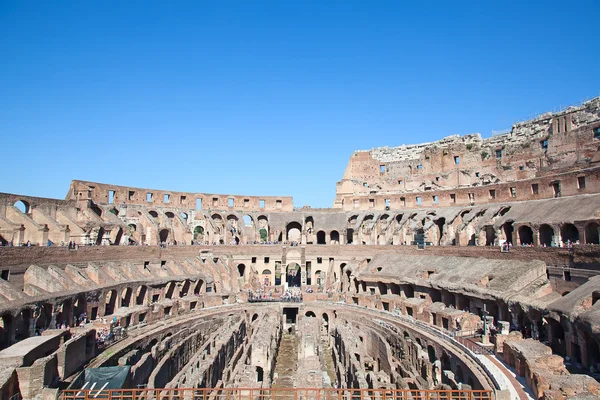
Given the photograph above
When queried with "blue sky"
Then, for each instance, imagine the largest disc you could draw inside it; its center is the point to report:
(269, 97)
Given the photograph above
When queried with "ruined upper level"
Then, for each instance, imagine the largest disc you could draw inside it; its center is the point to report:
(101, 193)
(551, 144)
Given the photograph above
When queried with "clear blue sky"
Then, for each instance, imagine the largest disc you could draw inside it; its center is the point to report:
(269, 97)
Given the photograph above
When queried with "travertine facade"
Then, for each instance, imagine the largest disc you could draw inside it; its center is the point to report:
(390, 289)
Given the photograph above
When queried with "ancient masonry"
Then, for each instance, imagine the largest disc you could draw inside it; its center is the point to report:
(440, 266)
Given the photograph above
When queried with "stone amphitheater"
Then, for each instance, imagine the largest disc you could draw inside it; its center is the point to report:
(462, 268)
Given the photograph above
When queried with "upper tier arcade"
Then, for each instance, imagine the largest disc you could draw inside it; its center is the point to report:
(101, 193)
(552, 155)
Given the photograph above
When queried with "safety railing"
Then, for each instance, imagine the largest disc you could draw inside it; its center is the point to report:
(276, 394)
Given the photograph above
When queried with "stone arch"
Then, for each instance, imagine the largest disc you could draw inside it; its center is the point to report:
(293, 231)
(170, 215)
(241, 270)
(394, 288)
(440, 223)
(110, 302)
(153, 213)
(140, 295)
(508, 229)
(248, 221)
(490, 235)
(557, 331)
(44, 317)
(185, 288)
(100, 236)
(546, 232)
(569, 232)
(592, 350)
(22, 324)
(170, 290)
(292, 275)
(459, 376)
(310, 314)
(198, 286)
(431, 354)
(349, 235)
(525, 235)
(321, 237)
(22, 206)
(334, 237)
(163, 235)
(445, 361)
(126, 296)
(7, 330)
(592, 233)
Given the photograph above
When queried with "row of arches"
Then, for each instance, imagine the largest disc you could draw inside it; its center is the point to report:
(34, 318)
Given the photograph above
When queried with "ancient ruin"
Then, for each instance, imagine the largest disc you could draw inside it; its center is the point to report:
(465, 268)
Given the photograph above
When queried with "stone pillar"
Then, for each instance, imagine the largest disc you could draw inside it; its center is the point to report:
(32, 322)
(327, 238)
(536, 237)
(53, 321)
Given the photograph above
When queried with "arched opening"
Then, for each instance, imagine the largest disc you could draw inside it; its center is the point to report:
(126, 297)
(593, 351)
(334, 237)
(319, 278)
(294, 231)
(263, 228)
(569, 233)
(310, 314)
(185, 289)
(184, 216)
(592, 233)
(490, 235)
(382, 288)
(198, 233)
(259, 374)
(459, 375)
(118, 237)
(394, 288)
(248, 220)
(321, 237)
(325, 321)
(22, 327)
(508, 229)
(110, 301)
(163, 235)
(45, 317)
(431, 354)
(198, 287)
(100, 236)
(558, 344)
(409, 291)
(22, 206)
(140, 295)
(546, 234)
(525, 235)
(241, 270)
(3, 241)
(7, 329)
(170, 290)
(440, 223)
(153, 213)
(349, 235)
(292, 275)
(445, 361)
